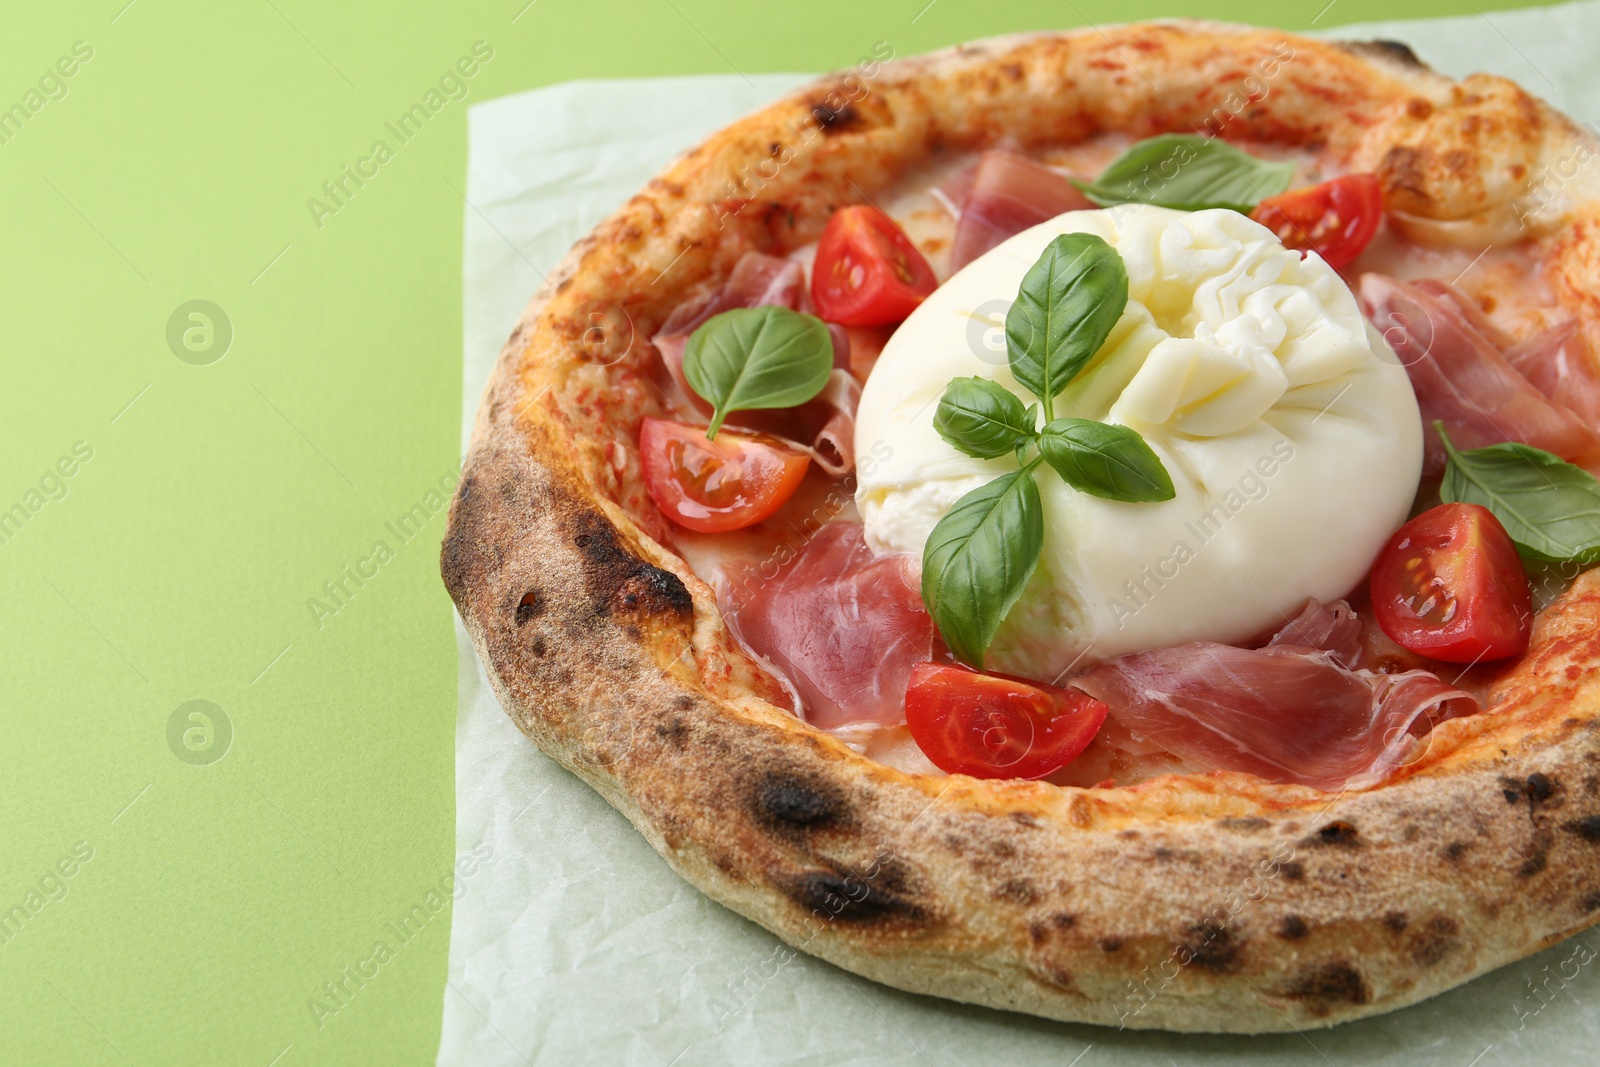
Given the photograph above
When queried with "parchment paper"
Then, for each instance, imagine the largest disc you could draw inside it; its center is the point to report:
(585, 948)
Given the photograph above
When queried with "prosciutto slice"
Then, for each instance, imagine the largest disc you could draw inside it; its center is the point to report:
(844, 627)
(826, 425)
(1560, 364)
(1462, 377)
(1292, 711)
(1003, 195)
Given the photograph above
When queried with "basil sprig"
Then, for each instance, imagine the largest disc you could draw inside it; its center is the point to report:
(1184, 171)
(981, 554)
(1550, 508)
(763, 357)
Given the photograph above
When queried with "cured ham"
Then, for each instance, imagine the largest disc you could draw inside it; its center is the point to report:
(1288, 712)
(1462, 377)
(1003, 195)
(842, 626)
(824, 426)
(1560, 364)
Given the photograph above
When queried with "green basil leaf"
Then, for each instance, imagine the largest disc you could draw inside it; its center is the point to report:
(1187, 172)
(765, 357)
(1550, 508)
(1105, 461)
(1068, 303)
(978, 559)
(982, 419)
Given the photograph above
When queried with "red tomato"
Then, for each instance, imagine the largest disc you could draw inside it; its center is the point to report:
(992, 726)
(1450, 585)
(711, 486)
(867, 273)
(1335, 219)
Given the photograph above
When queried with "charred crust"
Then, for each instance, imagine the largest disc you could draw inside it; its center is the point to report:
(1337, 832)
(1293, 928)
(1394, 51)
(1587, 828)
(835, 120)
(850, 898)
(1455, 850)
(1437, 941)
(1328, 984)
(1212, 948)
(621, 583)
(1111, 944)
(1294, 870)
(786, 801)
(1396, 921)
(1591, 902)
(1246, 825)
(1063, 920)
(674, 731)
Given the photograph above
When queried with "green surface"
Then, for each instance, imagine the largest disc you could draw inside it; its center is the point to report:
(176, 907)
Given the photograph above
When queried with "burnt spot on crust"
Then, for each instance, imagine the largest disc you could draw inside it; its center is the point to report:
(786, 801)
(1587, 828)
(1294, 870)
(1063, 920)
(1396, 921)
(1394, 51)
(1247, 825)
(1590, 902)
(621, 583)
(1324, 985)
(1016, 891)
(853, 898)
(835, 120)
(1212, 948)
(1539, 788)
(1455, 850)
(1293, 928)
(1111, 944)
(1337, 832)
(1435, 941)
(529, 607)
(674, 731)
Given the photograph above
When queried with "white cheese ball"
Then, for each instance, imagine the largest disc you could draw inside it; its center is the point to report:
(1289, 429)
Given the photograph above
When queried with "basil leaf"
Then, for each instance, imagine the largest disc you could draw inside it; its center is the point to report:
(1550, 508)
(1105, 461)
(978, 559)
(765, 357)
(1189, 173)
(1068, 303)
(981, 418)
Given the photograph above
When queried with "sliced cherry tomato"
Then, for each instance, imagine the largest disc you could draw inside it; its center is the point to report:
(711, 486)
(867, 272)
(1335, 219)
(1450, 585)
(993, 726)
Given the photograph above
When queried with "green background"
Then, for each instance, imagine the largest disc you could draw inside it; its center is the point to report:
(178, 563)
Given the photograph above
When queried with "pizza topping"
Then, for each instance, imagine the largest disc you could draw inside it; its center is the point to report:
(867, 272)
(711, 486)
(1336, 219)
(766, 357)
(1449, 585)
(1560, 364)
(1462, 377)
(991, 726)
(1249, 373)
(1548, 507)
(757, 280)
(1287, 713)
(1002, 195)
(1190, 173)
(845, 627)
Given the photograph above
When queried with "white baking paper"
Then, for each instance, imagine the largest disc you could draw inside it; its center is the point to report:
(585, 948)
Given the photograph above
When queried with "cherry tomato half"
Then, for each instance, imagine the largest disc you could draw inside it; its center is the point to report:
(1335, 219)
(867, 272)
(992, 726)
(1450, 585)
(711, 486)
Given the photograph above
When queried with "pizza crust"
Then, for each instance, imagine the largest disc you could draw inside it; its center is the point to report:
(1212, 902)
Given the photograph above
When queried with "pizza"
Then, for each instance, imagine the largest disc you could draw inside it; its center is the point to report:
(1093, 524)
